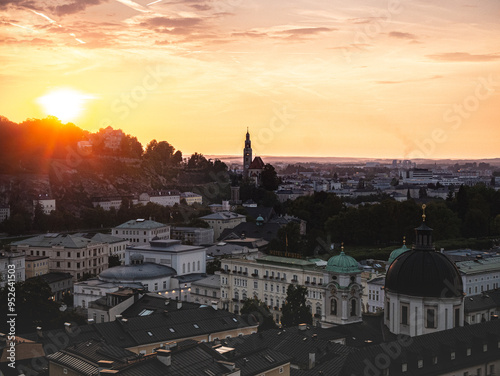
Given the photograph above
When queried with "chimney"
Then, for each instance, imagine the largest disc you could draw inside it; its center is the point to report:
(312, 360)
(39, 331)
(302, 326)
(214, 305)
(164, 356)
(179, 304)
(67, 327)
(229, 365)
(90, 321)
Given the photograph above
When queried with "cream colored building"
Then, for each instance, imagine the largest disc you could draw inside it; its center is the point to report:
(36, 266)
(192, 198)
(333, 292)
(67, 253)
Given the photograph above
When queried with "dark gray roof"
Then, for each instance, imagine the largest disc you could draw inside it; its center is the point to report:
(56, 240)
(487, 300)
(267, 231)
(142, 224)
(55, 277)
(151, 304)
(425, 347)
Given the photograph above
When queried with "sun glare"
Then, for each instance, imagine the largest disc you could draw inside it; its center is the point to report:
(66, 104)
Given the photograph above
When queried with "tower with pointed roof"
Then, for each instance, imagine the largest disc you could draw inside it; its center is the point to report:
(343, 290)
(423, 289)
(247, 155)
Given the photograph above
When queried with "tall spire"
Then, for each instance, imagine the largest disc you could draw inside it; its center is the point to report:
(247, 154)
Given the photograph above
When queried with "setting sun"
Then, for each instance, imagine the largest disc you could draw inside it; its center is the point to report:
(65, 104)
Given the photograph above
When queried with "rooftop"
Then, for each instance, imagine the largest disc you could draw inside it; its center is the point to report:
(141, 224)
(56, 240)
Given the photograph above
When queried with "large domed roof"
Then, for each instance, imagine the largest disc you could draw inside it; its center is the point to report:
(342, 263)
(137, 272)
(423, 272)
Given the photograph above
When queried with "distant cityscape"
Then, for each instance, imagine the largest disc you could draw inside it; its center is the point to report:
(243, 292)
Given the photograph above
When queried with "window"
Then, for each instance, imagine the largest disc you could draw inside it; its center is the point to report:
(255, 284)
(420, 363)
(485, 347)
(457, 317)
(430, 321)
(353, 307)
(388, 310)
(198, 264)
(333, 306)
(281, 369)
(434, 360)
(468, 351)
(452, 355)
(404, 315)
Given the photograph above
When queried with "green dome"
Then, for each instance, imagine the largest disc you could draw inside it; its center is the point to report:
(342, 264)
(394, 254)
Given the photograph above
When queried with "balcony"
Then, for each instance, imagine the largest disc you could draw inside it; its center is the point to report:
(255, 275)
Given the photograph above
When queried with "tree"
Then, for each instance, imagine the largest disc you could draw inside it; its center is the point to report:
(295, 310)
(213, 266)
(197, 161)
(269, 178)
(260, 311)
(114, 260)
(33, 299)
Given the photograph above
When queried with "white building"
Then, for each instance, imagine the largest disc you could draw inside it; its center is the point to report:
(480, 275)
(185, 259)
(139, 274)
(107, 202)
(47, 203)
(141, 231)
(423, 290)
(163, 198)
(222, 220)
(4, 213)
(192, 198)
(207, 291)
(12, 263)
(375, 295)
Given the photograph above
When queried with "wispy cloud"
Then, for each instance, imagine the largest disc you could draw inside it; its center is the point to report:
(401, 35)
(459, 57)
(76, 6)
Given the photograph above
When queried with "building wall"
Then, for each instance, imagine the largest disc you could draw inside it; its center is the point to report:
(182, 262)
(476, 283)
(48, 205)
(59, 370)
(12, 258)
(219, 225)
(91, 259)
(140, 236)
(4, 213)
(250, 280)
(37, 267)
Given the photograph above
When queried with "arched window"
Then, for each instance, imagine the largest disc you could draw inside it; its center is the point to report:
(236, 295)
(353, 307)
(318, 310)
(198, 265)
(193, 266)
(183, 268)
(333, 308)
(189, 267)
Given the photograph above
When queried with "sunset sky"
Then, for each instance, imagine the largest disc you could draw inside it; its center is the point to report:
(403, 79)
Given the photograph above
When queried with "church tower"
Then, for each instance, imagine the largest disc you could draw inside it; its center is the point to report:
(247, 155)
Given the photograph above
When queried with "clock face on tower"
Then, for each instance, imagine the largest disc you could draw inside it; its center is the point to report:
(246, 166)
